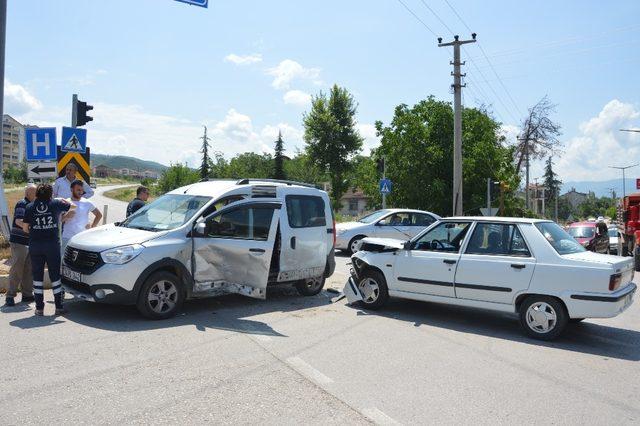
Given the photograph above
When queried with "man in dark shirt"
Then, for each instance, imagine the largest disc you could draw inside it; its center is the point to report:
(142, 195)
(20, 272)
(41, 221)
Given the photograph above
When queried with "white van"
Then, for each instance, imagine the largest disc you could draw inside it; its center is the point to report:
(204, 240)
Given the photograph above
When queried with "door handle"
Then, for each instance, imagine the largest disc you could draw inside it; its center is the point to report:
(449, 261)
(293, 243)
(256, 250)
(518, 265)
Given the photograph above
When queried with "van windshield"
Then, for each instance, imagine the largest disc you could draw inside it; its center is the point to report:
(167, 212)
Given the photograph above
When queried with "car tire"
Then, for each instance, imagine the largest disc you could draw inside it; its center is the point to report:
(373, 287)
(575, 320)
(310, 286)
(543, 317)
(354, 243)
(161, 296)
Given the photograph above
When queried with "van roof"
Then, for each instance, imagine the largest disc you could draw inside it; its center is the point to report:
(218, 187)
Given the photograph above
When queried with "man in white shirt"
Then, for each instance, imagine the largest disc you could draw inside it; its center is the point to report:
(80, 220)
(62, 185)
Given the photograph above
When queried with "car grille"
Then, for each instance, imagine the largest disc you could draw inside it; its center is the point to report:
(84, 261)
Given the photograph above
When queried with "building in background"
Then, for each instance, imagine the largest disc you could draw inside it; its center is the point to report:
(102, 171)
(353, 203)
(574, 198)
(13, 149)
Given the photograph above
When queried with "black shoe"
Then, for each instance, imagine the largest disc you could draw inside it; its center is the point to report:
(28, 300)
(9, 302)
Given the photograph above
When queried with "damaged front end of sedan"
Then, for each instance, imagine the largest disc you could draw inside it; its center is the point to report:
(374, 253)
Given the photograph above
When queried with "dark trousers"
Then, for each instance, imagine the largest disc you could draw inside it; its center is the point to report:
(46, 253)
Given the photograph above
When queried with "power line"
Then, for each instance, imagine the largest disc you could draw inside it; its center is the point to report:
(417, 17)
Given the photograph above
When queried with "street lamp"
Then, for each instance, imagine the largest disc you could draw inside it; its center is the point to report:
(623, 168)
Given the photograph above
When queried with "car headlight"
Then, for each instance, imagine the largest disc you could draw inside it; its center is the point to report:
(121, 255)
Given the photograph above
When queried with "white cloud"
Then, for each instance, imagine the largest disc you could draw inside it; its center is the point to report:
(600, 144)
(297, 97)
(292, 137)
(243, 59)
(288, 70)
(18, 100)
(371, 140)
(510, 133)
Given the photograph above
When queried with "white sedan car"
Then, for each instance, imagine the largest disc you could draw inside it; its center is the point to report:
(402, 224)
(526, 266)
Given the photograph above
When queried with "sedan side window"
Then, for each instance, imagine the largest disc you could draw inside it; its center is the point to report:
(422, 219)
(242, 223)
(499, 239)
(396, 219)
(447, 236)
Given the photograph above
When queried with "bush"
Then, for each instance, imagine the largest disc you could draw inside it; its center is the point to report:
(176, 176)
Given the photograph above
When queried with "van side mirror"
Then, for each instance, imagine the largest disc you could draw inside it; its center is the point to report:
(407, 245)
(200, 230)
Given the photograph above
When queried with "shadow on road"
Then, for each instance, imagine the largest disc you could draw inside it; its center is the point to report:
(585, 337)
(230, 313)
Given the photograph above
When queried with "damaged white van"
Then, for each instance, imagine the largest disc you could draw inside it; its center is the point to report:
(203, 240)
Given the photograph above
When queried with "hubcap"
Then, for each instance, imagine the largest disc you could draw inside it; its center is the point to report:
(355, 245)
(541, 317)
(369, 289)
(163, 296)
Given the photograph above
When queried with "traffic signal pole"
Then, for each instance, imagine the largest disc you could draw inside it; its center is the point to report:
(384, 176)
(74, 111)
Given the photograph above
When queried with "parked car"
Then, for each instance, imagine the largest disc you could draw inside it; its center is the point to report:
(615, 240)
(593, 236)
(526, 266)
(203, 240)
(402, 224)
(93, 184)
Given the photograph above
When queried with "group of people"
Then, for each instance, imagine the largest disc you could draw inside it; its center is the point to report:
(37, 239)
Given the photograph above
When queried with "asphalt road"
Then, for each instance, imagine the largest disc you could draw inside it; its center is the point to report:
(293, 360)
(117, 209)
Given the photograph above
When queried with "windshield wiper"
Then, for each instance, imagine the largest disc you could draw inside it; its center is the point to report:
(143, 228)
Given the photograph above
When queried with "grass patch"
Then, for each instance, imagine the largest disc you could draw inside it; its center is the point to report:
(125, 194)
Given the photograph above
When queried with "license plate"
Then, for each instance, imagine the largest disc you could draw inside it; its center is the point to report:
(71, 274)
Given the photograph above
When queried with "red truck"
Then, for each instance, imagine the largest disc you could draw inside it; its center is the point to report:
(631, 227)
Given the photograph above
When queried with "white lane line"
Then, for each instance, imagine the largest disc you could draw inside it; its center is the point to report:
(307, 370)
(379, 417)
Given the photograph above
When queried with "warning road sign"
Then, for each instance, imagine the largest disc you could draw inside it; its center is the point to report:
(74, 139)
(385, 186)
(80, 159)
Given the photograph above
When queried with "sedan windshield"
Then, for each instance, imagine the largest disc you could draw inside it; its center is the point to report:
(167, 212)
(373, 216)
(562, 242)
(581, 231)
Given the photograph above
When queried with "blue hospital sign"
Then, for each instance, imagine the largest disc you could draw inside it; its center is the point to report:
(40, 143)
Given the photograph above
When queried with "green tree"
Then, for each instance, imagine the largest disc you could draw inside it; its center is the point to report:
(417, 145)
(250, 165)
(552, 184)
(331, 136)
(278, 159)
(176, 176)
(300, 168)
(205, 166)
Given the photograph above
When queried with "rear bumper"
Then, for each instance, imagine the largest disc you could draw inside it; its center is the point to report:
(600, 305)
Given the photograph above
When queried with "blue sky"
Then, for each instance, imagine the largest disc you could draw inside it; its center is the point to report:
(157, 70)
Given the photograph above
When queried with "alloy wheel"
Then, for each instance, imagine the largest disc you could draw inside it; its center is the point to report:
(369, 289)
(162, 296)
(541, 317)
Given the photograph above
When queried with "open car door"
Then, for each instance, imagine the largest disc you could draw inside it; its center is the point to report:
(233, 248)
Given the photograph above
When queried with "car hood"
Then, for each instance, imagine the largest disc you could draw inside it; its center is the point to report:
(381, 244)
(345, 226)
(589, 256)
(109, 236)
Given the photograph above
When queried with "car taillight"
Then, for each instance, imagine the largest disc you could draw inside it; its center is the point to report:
(614, 281)
(334, 233)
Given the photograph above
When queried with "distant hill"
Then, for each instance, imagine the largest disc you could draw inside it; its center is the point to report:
(124, 162)
(602, 188)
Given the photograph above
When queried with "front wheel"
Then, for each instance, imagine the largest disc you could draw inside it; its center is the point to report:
(355, 243)
(373, 287)
(161, 296)
(543, 317)
(310, 286)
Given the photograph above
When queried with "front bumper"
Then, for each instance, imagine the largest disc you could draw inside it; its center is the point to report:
(600, 305)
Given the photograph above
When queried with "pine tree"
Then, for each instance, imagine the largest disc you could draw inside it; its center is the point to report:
(205, 167)
(552, 183)
(278, 169)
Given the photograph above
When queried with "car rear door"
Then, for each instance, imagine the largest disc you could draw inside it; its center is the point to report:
(235, 253)
(304, 228)
(496, 264)
(429, 266)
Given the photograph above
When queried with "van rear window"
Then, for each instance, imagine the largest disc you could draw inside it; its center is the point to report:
(305, 211)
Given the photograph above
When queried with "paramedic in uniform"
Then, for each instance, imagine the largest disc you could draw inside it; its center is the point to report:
(62, 185)
(41, 222)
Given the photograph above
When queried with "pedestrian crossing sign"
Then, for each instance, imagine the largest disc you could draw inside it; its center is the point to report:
(74, 139)
(385, 186)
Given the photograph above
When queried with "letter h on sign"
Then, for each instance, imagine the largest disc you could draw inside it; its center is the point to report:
(40, 144)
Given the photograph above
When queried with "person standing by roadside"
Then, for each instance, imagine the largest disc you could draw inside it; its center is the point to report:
(142, 195)
(80, 220)
(62, 185)
(41, 223)
(20, 272)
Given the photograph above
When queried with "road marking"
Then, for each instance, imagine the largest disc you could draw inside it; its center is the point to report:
(309, 371)
(379, 417)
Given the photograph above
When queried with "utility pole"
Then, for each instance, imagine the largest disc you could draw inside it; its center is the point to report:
(489, 194)
(623, 168)
(4, 210)
(457, 119)
(384, 176)
(526, 165)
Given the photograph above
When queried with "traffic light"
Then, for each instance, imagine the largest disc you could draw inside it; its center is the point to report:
(80, 109)
(380, 165)
(496, 187)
